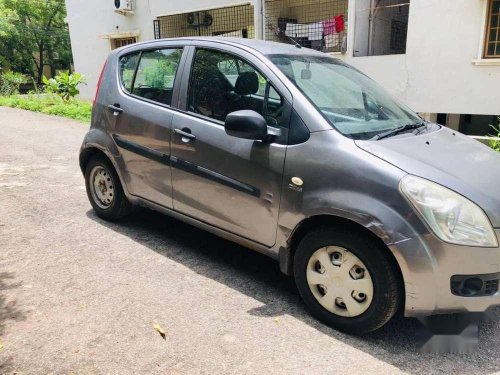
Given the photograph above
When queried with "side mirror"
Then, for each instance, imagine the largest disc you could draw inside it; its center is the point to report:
(246, 124)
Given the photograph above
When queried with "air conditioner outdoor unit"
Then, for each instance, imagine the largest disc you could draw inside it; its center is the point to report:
(124, 6)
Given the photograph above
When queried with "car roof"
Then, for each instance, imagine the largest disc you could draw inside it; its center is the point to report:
(263, 46)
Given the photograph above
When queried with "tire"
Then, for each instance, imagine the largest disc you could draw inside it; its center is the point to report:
(113, 205)
(349, 313)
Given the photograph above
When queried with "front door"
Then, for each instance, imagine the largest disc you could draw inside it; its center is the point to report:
(142, 129)
(231, 183)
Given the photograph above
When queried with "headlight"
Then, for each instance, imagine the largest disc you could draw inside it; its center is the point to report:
(452, 217)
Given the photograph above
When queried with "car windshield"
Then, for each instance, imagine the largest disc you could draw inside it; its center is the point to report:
(353, 103)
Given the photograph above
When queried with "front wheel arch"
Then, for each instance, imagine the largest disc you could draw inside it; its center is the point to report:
(287, 254)
(388, 294)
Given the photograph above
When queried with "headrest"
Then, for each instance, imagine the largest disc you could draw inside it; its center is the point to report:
(247, 83)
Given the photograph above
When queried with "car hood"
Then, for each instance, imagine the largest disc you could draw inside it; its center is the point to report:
(448, 158)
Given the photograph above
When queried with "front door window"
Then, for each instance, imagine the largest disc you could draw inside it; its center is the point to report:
(222, 83)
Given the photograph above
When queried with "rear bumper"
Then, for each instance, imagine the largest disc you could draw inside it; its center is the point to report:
(430, 265)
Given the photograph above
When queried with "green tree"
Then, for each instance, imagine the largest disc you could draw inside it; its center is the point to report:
(7, 18)
(36, 36)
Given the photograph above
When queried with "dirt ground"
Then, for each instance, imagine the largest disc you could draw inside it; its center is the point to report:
(79, 295)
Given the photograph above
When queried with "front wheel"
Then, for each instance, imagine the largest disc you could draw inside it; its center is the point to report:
(346, 279)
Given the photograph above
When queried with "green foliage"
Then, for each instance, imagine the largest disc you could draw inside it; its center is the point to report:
(50, 104)
(160, 74)
(127, 77)
(495, 144)
(33, 35)
(158, 70)
(10, 82)
(64, 84)
(7, 19)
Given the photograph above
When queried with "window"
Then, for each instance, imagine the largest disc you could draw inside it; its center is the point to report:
(156, 74)
(128, 64)
(493, 30)
(121, 42)
(321, 25)
(354, 104)
(222, 83)
(381, 27)
(233, 21)
(232, 67)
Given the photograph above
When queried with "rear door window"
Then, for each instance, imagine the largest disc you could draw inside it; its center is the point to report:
(128, 63)
(156, 73)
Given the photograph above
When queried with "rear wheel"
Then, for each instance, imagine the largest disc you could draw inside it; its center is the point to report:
(104, 189)
(347, 279)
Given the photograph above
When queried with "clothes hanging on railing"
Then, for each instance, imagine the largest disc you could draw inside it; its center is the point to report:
(297, 30)
(332, 40)
(339, 23)
(315, 31)
(329, 26)
(334, 25)
(317, 35)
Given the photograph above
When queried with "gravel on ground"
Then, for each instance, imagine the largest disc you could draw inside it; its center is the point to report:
(80, 295)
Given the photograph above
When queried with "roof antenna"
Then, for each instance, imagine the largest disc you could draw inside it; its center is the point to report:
(294, 42)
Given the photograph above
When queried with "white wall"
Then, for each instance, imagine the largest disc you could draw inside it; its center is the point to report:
(437, 74)
(90, 20)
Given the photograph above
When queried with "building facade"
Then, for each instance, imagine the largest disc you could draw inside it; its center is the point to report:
(440, 57)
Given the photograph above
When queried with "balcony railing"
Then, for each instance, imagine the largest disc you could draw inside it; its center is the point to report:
(321, 25)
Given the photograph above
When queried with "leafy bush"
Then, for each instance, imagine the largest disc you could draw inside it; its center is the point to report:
(64, 84)
(494, 143)
(50, 104)
(10, 83)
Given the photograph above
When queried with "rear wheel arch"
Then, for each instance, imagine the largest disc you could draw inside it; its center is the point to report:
(92, 151)
(87, 154)
(111, 203)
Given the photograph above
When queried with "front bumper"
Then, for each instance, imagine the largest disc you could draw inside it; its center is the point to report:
(429, 264)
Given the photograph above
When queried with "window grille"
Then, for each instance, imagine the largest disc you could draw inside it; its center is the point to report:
(120, 42)
(492, 48)
(156, 29)
(320, 25)
(233, 21)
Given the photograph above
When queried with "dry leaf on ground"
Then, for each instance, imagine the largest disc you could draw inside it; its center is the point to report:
(160, 330)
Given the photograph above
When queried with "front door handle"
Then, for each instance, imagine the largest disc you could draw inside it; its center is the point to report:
(115, 108)
(185, 133)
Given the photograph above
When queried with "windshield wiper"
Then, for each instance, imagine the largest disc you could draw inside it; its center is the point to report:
(398, 130)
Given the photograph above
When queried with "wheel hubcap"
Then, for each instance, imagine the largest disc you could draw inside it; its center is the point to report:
(340, 281)
(102, 187)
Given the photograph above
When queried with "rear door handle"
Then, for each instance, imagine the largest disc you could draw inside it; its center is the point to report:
(185, 133)
(115, 108)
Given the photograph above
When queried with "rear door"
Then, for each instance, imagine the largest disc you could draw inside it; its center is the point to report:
(148, 88)
(231, 183)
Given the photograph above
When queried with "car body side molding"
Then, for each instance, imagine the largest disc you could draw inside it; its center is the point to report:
(185, 166)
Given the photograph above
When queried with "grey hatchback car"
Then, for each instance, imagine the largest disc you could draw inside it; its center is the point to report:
(299, 156)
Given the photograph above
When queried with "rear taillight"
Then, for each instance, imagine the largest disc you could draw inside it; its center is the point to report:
(99, 82)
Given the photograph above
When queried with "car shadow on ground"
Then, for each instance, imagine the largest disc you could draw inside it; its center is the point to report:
(8, 311)
(259, 277)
